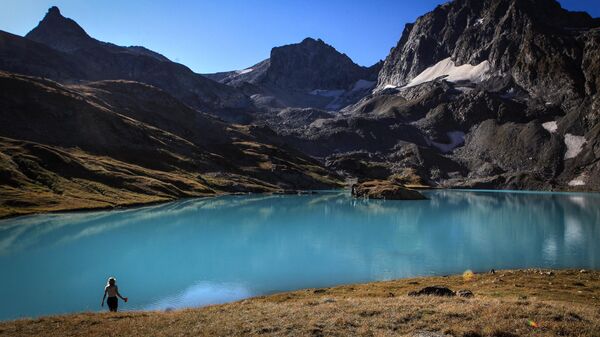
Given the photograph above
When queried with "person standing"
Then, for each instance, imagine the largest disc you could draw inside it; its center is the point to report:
(112, 291)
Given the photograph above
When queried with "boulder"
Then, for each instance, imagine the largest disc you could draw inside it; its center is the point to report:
(383, 189)
(465, 293)
(433, 291)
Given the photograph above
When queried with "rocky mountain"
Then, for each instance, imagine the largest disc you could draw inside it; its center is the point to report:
(493, 93)
(477, 94)
(110, 143)
(309, 74)
(532, 41)
(66, 35)
(72, 55)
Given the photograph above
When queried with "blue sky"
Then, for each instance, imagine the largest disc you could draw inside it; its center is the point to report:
(219, 35)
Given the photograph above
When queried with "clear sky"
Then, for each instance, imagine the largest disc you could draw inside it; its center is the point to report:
(219, 35)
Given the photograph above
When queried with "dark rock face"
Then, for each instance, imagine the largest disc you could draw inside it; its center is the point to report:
(23, 56)
(66, 35)
(60, 33)
(309, 74)
(542, 70)
(312, 64)
(532, 40)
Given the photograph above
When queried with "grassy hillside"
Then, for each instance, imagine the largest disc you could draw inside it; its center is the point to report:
(116, 143)
(561, 303)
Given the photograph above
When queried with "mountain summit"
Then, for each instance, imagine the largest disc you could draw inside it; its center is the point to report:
(312, 64)
(60, 49)
(310, 73)
(60, 33)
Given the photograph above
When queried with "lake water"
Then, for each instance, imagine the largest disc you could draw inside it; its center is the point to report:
(204, 251)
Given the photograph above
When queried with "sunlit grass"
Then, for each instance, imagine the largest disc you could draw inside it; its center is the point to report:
(561, 303)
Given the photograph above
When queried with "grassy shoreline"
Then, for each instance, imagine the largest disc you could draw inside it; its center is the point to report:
(122, 206)
(14, 215)
(561, 302)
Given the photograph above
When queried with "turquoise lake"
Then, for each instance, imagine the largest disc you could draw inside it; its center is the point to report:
(205, 251)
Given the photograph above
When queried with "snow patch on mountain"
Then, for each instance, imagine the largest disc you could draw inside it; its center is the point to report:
(574, 145)
(579, 181)
(457, 138)
(550, 126)
(327, 93)
(451, 73)
(244, 71)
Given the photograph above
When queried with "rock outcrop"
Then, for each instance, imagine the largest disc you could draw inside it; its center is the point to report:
(433, 291)
(465, 293)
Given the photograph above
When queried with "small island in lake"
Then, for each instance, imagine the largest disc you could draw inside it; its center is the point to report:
(384, 189)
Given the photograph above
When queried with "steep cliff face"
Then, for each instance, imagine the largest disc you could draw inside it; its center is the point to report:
(536, 42)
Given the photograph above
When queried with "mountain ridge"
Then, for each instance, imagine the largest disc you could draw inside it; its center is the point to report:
(66, 35)
(308, 74)
(110, 143)
(466, 85)
(94, 60)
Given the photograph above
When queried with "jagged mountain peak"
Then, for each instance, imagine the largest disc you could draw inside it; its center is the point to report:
(505, 34)
(307, 65)
(60, 49)
(53, 11)
(59, 32)
(309, 40)
(312, 64)
(312, 47)
(310, 73)
(313, 43)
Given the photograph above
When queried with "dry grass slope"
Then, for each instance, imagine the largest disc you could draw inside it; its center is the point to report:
(563, 303)
(120, 143)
